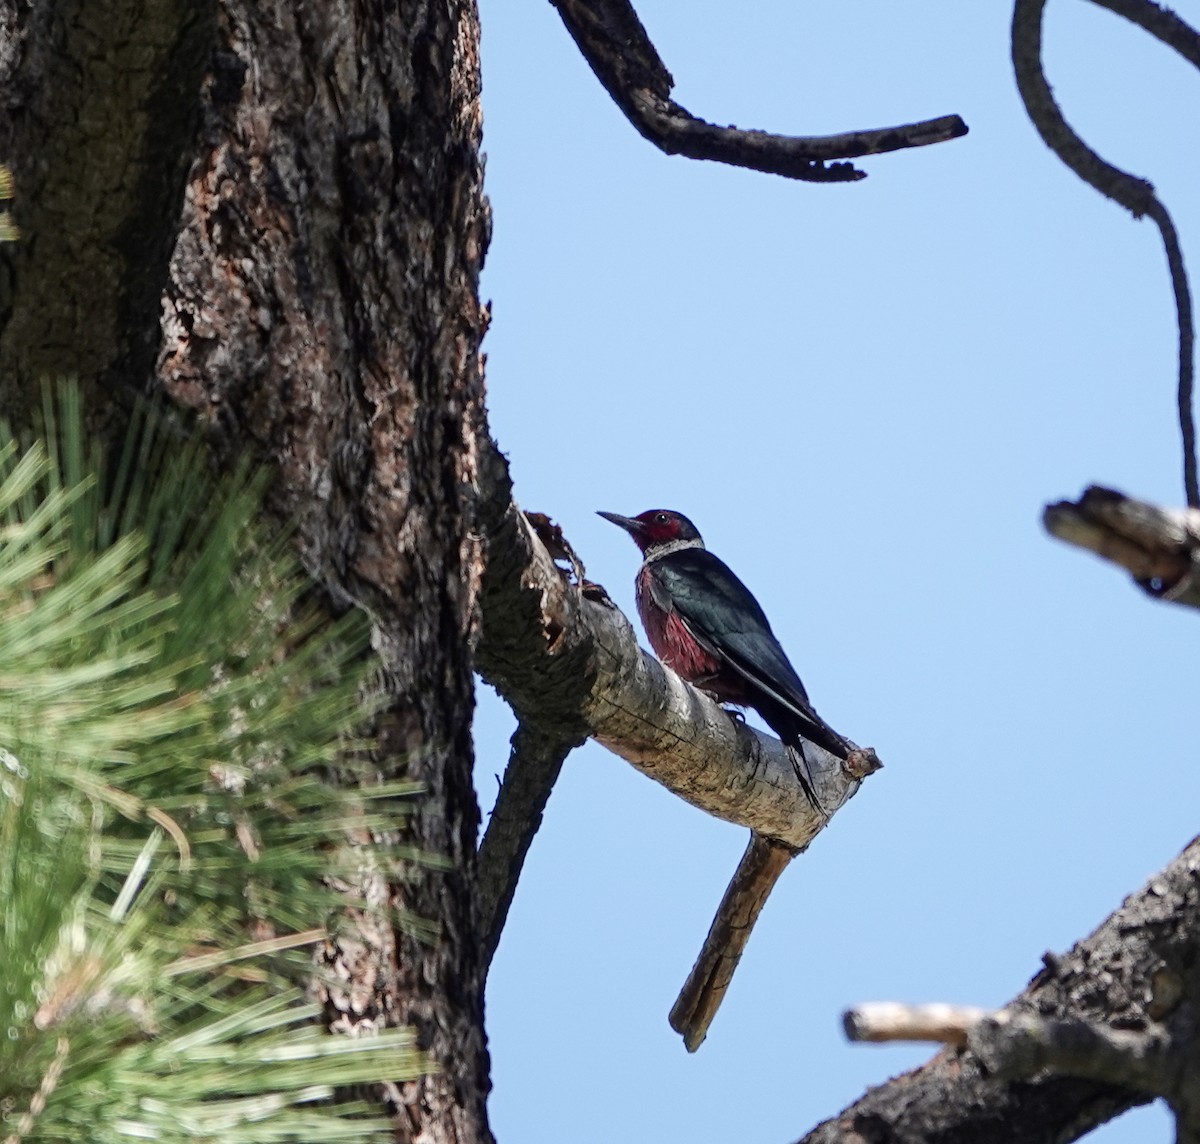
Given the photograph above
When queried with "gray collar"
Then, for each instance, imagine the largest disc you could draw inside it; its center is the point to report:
(672, 546)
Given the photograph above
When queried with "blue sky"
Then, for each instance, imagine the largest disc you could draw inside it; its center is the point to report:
(863, 395)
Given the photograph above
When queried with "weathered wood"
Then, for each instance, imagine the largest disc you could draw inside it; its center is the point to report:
(1158, 547)
(705, 988)
(558, 653)
(880, 1021)
(1136, 973)
(569, 664)
(533, 769)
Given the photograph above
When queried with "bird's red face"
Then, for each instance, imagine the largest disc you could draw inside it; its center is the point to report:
(655, 527)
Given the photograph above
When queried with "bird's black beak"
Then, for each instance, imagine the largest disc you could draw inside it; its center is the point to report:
(635, 528)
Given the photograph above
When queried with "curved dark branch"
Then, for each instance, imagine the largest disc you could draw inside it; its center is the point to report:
(1187, 347)
(615, 44)
(1161, 23)
(1134, 193)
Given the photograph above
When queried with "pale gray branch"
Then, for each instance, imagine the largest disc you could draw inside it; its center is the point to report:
(879, 1021)
(569, 664)
(1159, 547)
(561, 654)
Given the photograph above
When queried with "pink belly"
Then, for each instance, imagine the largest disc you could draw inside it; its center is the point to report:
(673, 644)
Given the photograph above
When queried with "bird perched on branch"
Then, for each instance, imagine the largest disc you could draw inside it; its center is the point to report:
(703, 623)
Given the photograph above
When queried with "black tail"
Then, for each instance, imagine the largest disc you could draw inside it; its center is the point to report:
(795, 728)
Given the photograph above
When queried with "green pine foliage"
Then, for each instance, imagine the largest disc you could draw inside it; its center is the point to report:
(170, 704)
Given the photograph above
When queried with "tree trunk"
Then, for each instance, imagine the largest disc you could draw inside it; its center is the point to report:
(273, 214)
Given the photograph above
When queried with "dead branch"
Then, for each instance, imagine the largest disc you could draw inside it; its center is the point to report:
(1132, 975)
(1014, 1045)
(880, 1021)
(1161, 23)
(1158, 547)
(615, 44)
(759, 869)
(569, 664)
(1132, 192)
(533, 769)
(705, 988)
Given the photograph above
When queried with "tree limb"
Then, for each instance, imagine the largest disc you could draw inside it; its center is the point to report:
(1134, 193)
(615, 44)
(1159, 547)
(532, 771)
(565, 658)
(568, 663)
(879, 1021)
(1135, 974)
(1023, 1045)
(705, 988)
(1161, 23)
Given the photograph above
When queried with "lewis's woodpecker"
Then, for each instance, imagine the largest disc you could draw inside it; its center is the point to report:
(703, 623)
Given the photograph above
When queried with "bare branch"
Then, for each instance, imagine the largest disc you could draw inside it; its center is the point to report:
(1160, 548)
(878, 1021)
(1013, 1045)
(533, 769)
(1131, 974)
(1187, 348)
(569, 664)
(615, 44)
(1134, 193)
(744, 899)
(1020, 1045)
(1161, 23)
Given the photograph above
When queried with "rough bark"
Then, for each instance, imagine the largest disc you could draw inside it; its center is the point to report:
(273, 213)
(1135, 975)
(100, 103)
